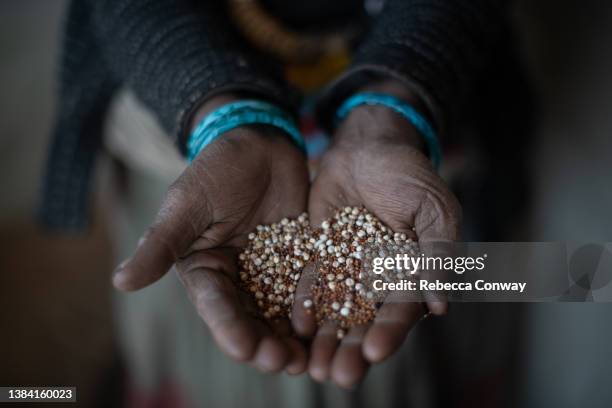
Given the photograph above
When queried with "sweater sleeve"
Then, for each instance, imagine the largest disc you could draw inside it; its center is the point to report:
(173, 53)
(436, 47)
(176, 53)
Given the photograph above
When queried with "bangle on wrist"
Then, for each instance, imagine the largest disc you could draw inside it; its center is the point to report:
(235, 114)
(402, 107)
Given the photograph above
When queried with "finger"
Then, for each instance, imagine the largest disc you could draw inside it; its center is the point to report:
(437, 225)
(298, 361)
(322, 352)
(303, 318)
(281, 327)
(393, 321)
(272, 354)
(349, 366)
(439, 217)
(278, 351)
(216, 300)
(435, 300)
(177, 225)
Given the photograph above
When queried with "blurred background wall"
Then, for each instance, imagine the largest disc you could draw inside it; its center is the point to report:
(55, 317)
(568, 357)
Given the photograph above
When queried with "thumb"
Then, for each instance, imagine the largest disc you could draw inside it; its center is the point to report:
(325, 197)
(437, 226)
(182, 217)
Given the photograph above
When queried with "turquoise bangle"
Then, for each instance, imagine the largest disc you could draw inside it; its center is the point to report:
(404, 109)
(236, 114)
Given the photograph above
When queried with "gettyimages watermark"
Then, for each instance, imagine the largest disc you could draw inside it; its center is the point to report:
(492, 271)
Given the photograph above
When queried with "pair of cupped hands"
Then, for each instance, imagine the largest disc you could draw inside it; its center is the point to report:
(255, 175)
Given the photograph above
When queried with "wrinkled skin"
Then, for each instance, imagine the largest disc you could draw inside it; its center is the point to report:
(376, 160)
(254, 175)
(248, 177)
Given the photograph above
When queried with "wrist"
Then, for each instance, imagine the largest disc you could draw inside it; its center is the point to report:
(367, 125)
(387, 111)
(228, 112)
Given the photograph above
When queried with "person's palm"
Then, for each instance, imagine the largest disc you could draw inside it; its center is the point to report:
(374, 162)
(249, 176)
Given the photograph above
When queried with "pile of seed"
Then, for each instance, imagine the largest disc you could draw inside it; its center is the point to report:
(272, 264)
(343, 289)
(275, 257)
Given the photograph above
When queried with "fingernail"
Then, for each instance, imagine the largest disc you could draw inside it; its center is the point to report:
(121, 265)
(118, 274)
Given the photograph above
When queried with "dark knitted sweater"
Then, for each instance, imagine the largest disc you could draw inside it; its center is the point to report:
(176, 53)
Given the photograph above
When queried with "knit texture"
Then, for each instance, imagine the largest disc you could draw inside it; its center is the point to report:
(436, 47)
(174, 54)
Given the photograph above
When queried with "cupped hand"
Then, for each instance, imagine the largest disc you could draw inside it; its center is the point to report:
(377, 161)
(249, 176)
